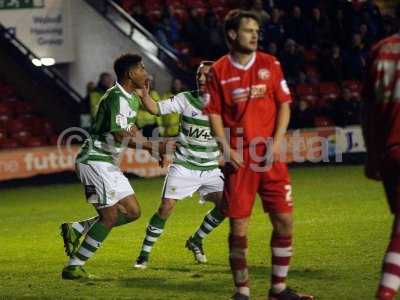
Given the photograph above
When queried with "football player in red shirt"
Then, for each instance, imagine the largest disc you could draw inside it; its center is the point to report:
(382, 137)
(248, 96)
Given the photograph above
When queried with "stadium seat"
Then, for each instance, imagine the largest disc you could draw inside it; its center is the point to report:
(42, 127)
(328, 90)
(6, 91)
(216, 3)
(33, 141)
(5, 109)
(52, 140)
(195, 61)
(14, 125)
(3, 133)
(307, 92)
(180, 14)
(8, 144)
(23, 107)
(355, 88)
(4, 119)
(152, 5)
(310, 56)
(20, 135)
(182, 47)
(323, 122)
(220, 12)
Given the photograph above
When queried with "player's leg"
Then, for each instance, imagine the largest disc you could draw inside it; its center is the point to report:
(179, 183)
(275, 192)
(154, 230)
(128, 210)
(212, 220)
(210, 190)
(71, 232)
(238, 257)
(110, 188)
(390, 279)
(238, 200)
(93, 240)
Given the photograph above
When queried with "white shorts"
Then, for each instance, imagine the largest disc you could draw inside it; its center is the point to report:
(104, 183)
(182, 182)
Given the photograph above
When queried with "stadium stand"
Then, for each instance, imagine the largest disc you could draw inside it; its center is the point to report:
(322, 45)
(35, 103)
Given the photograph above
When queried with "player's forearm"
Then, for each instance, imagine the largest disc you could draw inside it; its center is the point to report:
(150, 105)
(217, 128)
(133, 138)
(282, 122)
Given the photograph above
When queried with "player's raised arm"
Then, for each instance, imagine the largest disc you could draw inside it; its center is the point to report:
(147, 101)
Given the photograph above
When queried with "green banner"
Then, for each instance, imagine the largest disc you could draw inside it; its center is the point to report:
(21, 4)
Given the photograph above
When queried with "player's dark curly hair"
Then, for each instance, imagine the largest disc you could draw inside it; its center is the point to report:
(123, 63)
(233, 19)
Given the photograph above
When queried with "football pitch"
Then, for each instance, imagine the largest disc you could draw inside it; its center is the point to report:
(341, 231)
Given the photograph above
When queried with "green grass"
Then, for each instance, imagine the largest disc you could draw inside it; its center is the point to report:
(342, 226)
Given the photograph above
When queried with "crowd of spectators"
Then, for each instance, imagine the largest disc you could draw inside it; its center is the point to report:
(316, 41)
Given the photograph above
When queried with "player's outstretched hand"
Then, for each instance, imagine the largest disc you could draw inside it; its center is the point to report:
(144, 91)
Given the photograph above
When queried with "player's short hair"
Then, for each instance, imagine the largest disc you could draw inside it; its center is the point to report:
(123, 63)
(204, 63)
(233, 19)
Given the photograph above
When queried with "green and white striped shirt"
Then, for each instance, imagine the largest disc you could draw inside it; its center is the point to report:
(196, 148)
(117, 111)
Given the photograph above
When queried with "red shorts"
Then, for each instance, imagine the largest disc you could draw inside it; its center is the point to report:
(272, 184)
(391, 178)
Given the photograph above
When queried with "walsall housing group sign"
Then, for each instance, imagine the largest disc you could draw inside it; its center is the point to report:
(44, 26)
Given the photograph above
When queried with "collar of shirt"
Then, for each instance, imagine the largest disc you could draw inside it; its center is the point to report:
(242, 67)
(126, 94)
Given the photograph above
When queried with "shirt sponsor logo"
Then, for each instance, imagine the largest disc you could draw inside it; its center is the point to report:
(200, 134)
(232, 79)
(242, 94)
(264, 74)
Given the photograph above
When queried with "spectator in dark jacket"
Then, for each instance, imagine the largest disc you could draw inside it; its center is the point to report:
(331, 64)
(318, 27)
(292, 60)
(273, 30)
(296, 26)
(347, 110)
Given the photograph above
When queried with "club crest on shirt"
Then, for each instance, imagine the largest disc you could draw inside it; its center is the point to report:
(263, 74)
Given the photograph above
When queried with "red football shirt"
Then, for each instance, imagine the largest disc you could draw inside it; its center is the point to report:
(247, 97)
(382, 97)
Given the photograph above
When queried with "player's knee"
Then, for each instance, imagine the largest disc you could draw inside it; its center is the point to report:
(134, 214)
(109, 220)
(165, 209)
(283, 225)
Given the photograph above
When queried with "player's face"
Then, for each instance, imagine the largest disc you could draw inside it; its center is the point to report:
(202, 77)
(139, 75)
(246, 38)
